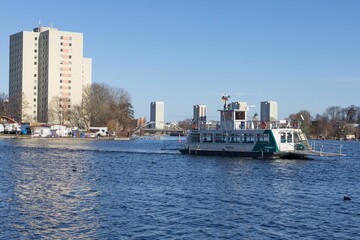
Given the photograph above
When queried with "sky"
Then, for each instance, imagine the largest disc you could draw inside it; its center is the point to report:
(303, 54)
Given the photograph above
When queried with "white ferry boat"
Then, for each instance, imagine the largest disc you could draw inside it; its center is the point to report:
(235, 136)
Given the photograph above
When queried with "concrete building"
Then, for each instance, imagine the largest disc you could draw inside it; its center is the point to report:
(268, 111)
(200, 112)
(47, 73)
(157, 115)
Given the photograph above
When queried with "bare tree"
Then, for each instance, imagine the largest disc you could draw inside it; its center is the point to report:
(19, 108)
(80, 115)
(104, 106)
(121, 112)
(351, 113)
(4, 104)
(305, 117)
(59, 110)
(185, 124)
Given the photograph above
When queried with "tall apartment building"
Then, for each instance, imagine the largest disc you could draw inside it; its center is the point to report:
(157, 115)
(199, 113)
(268, 111)
(47, 72)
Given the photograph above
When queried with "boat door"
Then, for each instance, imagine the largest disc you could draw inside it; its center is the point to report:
(286, 141)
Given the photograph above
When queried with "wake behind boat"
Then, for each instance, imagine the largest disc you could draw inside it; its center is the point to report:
(234, 136)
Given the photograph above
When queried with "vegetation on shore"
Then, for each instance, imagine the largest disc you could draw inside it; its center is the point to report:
(103, 105)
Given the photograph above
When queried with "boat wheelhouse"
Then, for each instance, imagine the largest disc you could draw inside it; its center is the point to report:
(235, 135)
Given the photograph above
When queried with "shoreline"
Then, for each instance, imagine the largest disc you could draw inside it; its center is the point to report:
(13, 136)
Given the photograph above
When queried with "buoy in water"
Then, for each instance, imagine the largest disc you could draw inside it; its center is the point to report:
(347, 198)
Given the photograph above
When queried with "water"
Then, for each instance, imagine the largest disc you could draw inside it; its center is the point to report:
(143, 189)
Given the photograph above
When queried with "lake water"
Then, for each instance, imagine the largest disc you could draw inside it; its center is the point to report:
(144, 189)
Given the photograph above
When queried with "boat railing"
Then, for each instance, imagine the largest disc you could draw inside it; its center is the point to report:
(327, 149)
(250, 125)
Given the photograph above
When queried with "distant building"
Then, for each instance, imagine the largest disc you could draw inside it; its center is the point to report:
(157, 115)
(140, 122)
(200, 112)
(268, 111)
(46, 70)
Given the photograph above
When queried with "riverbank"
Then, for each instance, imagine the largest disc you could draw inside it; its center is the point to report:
(13, 136)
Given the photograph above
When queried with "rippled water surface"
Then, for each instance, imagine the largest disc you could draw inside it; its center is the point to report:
(144, 189)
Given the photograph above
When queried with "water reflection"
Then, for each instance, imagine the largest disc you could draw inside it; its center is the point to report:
(53, 194)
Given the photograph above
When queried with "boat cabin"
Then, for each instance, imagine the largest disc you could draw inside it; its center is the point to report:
(233, 116)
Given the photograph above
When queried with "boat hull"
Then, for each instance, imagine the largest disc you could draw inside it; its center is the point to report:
(252, 154)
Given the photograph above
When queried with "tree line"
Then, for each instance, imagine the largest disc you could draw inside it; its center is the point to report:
(335, 123)
(101, 106)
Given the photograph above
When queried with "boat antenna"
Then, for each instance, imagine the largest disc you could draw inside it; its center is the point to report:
(225, 98)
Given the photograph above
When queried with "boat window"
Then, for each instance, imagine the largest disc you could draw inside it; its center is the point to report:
(234, 138)
(283, 137)
(219, 138)
(239, 115)
(227, 115)
(262, 138)
(195, 137)
(289, 137)
(207, 137)
(248, 138)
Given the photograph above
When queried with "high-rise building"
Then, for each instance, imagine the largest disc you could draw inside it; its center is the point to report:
(199, 113)
(47, 73)
(157, 115)
(268, 111)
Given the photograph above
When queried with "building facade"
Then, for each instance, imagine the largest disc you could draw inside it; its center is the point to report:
(199, 114)
(157, 115)
(268, 111)
(47, 73)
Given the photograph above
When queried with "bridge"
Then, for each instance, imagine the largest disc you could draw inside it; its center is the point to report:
(170, 128)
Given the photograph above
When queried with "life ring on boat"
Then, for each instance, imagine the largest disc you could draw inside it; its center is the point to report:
(263, 125)
(295, 125)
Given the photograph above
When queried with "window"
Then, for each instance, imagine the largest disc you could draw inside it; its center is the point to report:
(219, 138)
(195, 137)
(262, 138)
(248, 138)
(283, 137)
(289, 137)
(227, 115)
(234, 138)
(239, 115)
(207, 137)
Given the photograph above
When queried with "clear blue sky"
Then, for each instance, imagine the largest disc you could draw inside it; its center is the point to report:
(302, 54)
